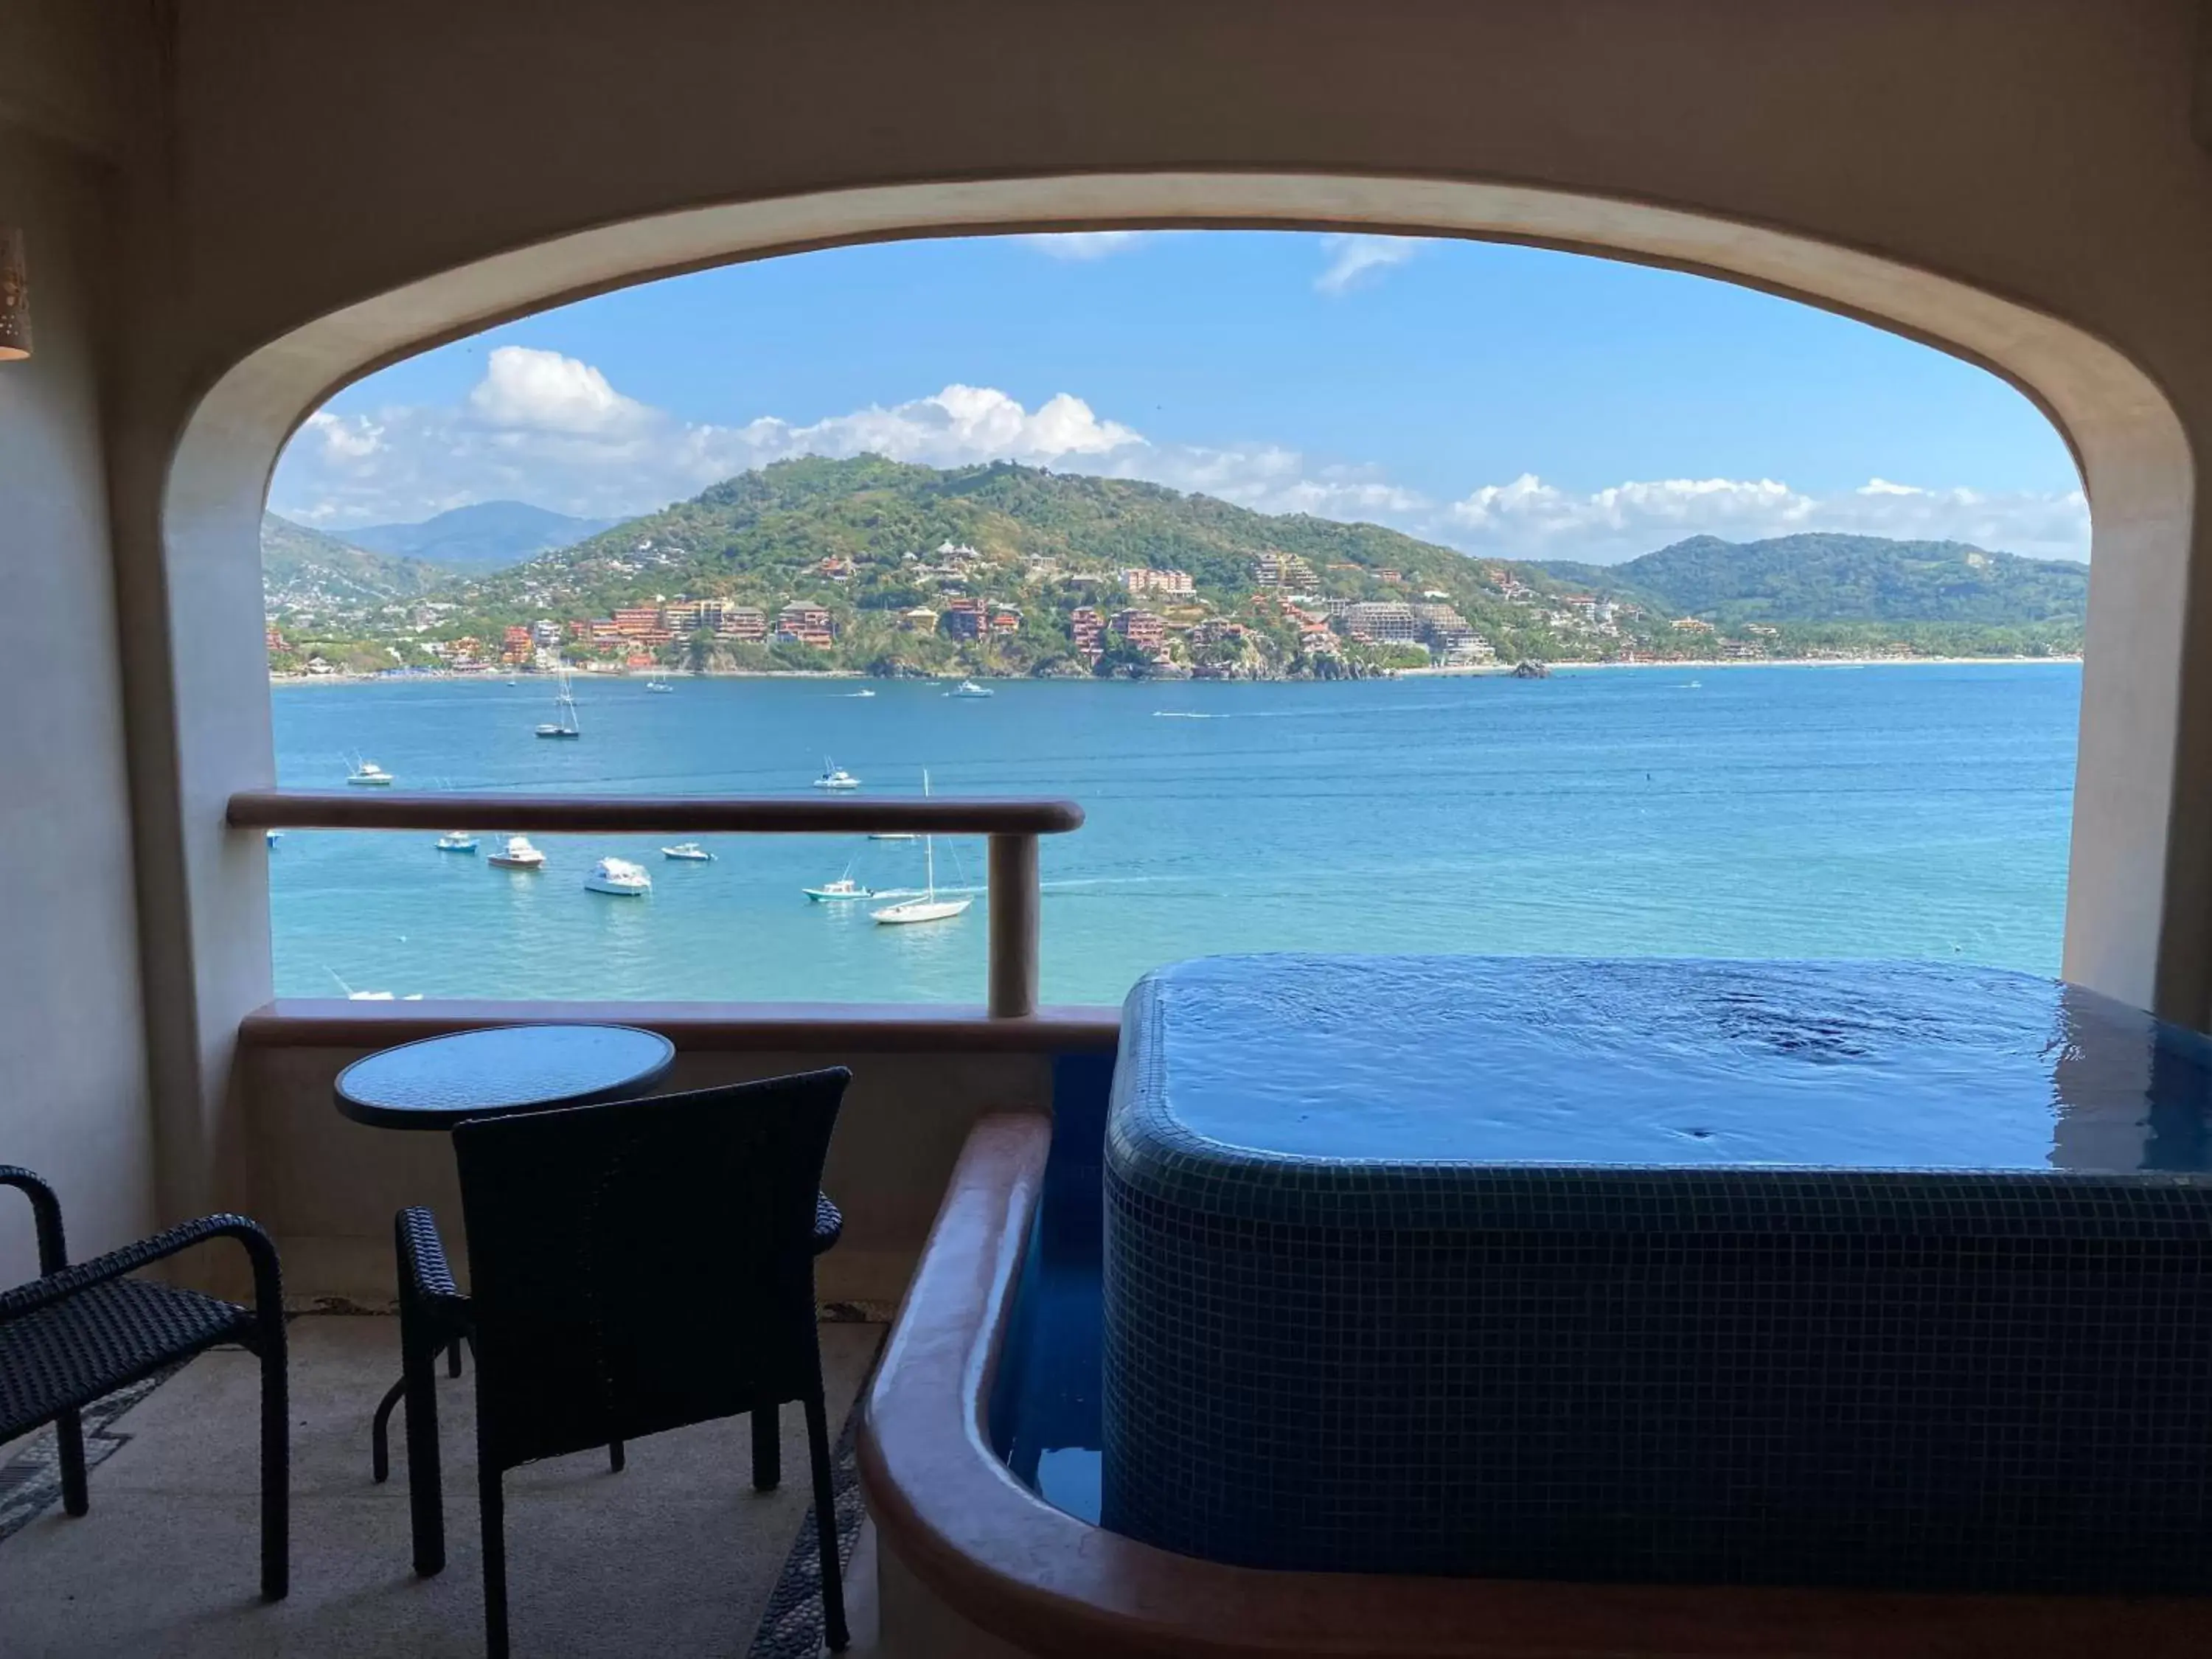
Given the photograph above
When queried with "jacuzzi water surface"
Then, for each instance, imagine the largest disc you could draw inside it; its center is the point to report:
(1661, 1270)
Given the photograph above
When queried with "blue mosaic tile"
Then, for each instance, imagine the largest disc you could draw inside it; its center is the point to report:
(1798, 1372)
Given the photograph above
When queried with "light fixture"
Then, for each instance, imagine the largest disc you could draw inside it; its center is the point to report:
(14, 297)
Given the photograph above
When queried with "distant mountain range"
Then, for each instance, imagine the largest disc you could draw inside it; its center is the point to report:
(1843, 579)
(488, 536)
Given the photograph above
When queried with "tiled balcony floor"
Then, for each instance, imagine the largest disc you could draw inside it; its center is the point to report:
(674, 1557)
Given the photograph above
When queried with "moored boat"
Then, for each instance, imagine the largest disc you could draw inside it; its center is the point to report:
(928, 907)
(518, 854)
(457, 841)
(688, 852)
(563, 723)
(619, 877)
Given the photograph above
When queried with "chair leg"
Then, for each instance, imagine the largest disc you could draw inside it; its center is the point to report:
(492, 1502)
(768, 1448)
(379, 1432)
(614, 1455)
(453, 1358)
(426, 1496)
(825, 1525)
(69, 1434)
(275, 1463)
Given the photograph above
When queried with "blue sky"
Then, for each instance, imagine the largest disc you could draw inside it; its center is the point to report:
(1503, 400)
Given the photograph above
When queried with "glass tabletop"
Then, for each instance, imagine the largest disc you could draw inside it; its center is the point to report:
(443, 1080)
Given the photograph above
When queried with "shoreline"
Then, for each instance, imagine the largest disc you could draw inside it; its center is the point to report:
(1489, 671)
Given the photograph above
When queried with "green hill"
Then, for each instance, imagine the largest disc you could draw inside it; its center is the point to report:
(304, 571)
(868, 539)
(1830, 578)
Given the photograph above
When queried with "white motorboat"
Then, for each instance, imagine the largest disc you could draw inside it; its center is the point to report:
(891, 835)
(563, 723)
(970, 689)
(834, 776)
(457, 841)
(517, 855)
(928, 907)
(843, 888)
(689, 852)
(659, 685)
(367, 774)
(863, 692)
(620, 877)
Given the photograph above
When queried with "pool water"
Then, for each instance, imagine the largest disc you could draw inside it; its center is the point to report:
(1045, 1411)
(1654, 1064)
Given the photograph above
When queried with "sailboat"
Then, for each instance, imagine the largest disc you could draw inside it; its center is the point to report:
(928, 907)
(834, 776)
(563, 725)
(657, 683)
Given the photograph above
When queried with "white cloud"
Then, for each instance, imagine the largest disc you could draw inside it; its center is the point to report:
(1353, 259)
(522, 387)
(1084, 244)
(1531, 518)
(547, 429)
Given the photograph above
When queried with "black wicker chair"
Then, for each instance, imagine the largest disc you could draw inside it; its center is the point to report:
(633, 1267)
(74, 1334)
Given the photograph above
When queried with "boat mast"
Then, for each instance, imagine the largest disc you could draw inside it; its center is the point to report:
(929, 846)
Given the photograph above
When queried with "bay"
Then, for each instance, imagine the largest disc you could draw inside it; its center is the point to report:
(1917, 812)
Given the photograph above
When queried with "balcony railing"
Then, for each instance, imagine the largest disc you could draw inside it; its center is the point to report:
(1011, 895)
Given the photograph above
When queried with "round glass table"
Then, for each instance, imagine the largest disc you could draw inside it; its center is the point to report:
(443, 1080)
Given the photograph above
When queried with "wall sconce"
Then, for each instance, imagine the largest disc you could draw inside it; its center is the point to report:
(15, 298)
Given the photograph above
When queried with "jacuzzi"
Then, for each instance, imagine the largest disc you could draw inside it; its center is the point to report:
(1745, 1273)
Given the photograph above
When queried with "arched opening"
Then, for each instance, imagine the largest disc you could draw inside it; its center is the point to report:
(2122, 905)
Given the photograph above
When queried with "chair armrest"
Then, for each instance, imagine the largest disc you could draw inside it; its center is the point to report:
(59, 1286)
(424, 1271)
(46, 1213)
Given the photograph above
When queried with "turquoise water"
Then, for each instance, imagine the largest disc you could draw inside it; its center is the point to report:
(1894, 811)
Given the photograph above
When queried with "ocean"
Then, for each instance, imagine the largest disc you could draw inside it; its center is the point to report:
(1891, 811)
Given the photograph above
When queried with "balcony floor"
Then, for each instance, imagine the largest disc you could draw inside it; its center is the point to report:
(675, 1556)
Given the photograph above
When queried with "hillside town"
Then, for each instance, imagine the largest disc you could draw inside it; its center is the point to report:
(1133, 621)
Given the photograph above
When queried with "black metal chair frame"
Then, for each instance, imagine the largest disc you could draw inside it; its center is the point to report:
(435, 1316)
(75, 1334)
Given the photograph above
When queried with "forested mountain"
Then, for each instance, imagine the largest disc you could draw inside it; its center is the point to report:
(485, 536)
(1846, 579)
(304, 570)
(869, 540)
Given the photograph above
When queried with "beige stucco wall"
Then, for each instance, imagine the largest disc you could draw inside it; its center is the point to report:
(73, 1103)
(327, 186)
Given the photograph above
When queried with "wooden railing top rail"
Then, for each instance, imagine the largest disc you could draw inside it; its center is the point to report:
(386, 809)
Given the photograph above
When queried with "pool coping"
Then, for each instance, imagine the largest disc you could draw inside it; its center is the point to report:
(1003, 1560)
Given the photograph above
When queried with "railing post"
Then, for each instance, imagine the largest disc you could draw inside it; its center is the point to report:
(1014, 901)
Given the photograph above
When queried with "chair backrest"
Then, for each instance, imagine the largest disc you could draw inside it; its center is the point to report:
(641, 1265)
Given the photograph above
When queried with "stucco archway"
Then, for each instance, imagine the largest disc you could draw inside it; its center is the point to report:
(2131, 906)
